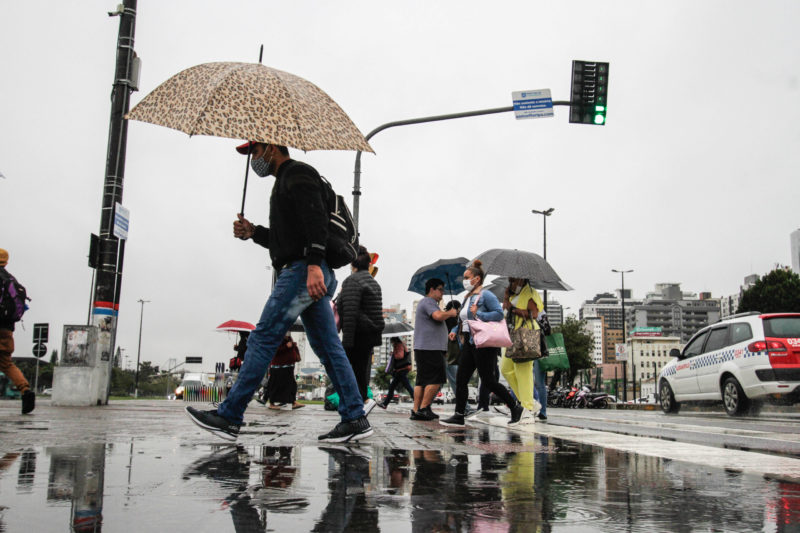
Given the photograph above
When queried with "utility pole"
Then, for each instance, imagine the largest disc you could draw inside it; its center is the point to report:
(111, 249)
(624, 341)
(546, 213)
(139, 351)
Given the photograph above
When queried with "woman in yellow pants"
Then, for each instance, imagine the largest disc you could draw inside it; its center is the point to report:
(523, 304)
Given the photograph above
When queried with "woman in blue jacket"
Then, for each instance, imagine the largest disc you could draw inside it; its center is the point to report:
(485, 306)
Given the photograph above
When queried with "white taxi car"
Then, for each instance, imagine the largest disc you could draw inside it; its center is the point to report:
(742, 361)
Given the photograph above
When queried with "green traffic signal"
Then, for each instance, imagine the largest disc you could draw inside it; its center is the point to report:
(599, 114)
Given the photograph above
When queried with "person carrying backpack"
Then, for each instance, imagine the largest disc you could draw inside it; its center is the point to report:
(12, 305)
(301, 224)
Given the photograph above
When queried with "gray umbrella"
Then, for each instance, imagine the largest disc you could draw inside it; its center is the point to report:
(521, 264)
(397, 329)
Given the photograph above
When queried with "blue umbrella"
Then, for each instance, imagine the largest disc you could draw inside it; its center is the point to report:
(451, 271)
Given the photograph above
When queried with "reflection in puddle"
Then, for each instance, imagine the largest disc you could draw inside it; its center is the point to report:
(512, 483)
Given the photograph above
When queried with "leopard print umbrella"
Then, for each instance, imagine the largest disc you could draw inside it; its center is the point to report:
(253, 102)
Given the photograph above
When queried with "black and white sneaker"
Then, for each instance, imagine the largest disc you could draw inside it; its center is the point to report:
(502, 409)
(369, 405)
(349, 431)
(516, 414)
(213, 422)
(428, 413)
(457, 420)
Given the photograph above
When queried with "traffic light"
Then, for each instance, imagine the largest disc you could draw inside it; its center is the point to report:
(589, 93)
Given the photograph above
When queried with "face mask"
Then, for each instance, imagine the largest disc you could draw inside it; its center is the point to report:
(260, 166)
(467, 284)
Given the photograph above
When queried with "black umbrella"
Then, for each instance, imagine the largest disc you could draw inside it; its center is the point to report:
(521, 264)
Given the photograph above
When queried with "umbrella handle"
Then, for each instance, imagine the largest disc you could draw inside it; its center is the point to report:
(246, 172)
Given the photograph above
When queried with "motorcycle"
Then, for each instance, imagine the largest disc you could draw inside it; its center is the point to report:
(592, 400)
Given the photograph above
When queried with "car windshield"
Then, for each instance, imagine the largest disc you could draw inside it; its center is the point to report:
(782, 327)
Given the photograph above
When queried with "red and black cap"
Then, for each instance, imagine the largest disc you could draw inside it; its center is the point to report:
(247, 147)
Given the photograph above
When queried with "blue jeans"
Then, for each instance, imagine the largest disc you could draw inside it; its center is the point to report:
(539, 386)
(290, 299)
(451, 371)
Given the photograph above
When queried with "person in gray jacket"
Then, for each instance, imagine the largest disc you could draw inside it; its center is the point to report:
(360, 307)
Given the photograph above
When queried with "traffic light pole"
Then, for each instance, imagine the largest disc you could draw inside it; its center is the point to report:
(421, 120)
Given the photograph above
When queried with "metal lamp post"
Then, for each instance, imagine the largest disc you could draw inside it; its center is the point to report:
(625, 340)
(546, 213)
(139, 351)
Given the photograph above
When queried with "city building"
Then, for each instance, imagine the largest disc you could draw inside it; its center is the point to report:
(677, 313)
(728, 305)
(594, 327)
(648, 351)
(612, 337)
(555, 313)
(609, 306)
(794, 239)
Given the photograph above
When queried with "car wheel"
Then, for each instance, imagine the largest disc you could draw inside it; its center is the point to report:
(668, 403)
(733, 397)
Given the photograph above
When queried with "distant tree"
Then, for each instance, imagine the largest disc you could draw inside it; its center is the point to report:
(381, 379)
(122, 382)
(777, 292)
(578, 344)
(54, 357)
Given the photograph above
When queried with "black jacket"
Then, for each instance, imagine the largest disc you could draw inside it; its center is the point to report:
(360, 308)
(298, 216)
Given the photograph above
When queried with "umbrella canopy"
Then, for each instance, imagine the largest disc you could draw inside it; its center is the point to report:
(396, 329)
(521, 264)
(253, 102)
(451, 271)
(236, 325)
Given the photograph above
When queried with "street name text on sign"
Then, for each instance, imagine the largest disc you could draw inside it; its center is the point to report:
(532, 104)
(121, 220)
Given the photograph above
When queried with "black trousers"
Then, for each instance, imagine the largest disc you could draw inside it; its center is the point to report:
(484, 360)
(360, 357)
(281, 386)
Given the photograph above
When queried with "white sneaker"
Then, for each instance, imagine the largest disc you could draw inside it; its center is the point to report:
(369, 405)
(536, 408)
(528, 417)
(286, 407)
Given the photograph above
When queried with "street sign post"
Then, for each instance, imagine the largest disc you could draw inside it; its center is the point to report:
(40, 332)
(122, 218)
(532, 104)
(39, 350)
(194, 360)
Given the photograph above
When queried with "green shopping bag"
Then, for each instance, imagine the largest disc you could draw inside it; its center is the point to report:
(557, 354)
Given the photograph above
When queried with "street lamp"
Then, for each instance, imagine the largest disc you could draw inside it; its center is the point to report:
(546, 213)
(624, 341)
(139, 351)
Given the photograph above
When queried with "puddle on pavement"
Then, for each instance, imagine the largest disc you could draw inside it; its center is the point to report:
(511, 483)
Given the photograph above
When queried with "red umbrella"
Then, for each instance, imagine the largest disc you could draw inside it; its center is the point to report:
(236, 325)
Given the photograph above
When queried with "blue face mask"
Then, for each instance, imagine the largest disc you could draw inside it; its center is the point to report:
(260, 166)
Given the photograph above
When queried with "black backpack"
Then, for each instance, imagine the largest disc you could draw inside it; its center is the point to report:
(12, 298)
(342, 246)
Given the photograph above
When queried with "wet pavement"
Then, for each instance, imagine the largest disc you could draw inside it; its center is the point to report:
(143, 466)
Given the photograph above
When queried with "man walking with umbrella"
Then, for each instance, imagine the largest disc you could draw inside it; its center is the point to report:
(296, 240)
(430, 344)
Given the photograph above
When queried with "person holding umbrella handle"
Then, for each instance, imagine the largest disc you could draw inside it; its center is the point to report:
(305, 283)
(482, 305)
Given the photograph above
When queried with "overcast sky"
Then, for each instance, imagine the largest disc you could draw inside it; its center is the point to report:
(692, 180)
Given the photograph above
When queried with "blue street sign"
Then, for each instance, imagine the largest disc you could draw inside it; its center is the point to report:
(532, 104)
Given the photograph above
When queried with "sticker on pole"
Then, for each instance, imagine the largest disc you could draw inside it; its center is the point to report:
(532, 104)
(121, 220)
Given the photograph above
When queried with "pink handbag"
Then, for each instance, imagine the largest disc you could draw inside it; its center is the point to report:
(490, 334)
